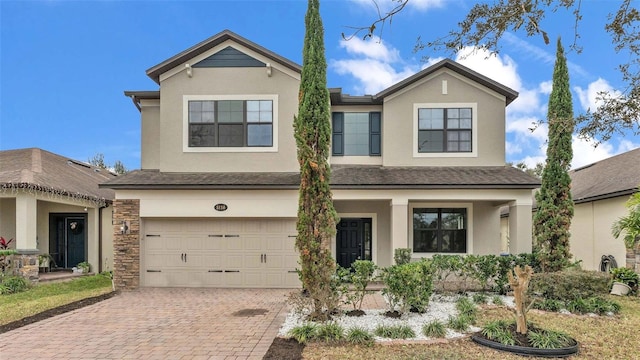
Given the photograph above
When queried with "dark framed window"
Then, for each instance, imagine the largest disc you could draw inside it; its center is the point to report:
(356, 134)
(230, 123)
(444, 130)
(440, 230)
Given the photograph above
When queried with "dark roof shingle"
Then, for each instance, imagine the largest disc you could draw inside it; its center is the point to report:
(615, 176)
(342, 177)
(46, 171)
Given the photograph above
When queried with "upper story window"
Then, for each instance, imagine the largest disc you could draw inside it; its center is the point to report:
(444, 130)
(230, 123)
(440, 230)
(356, 134)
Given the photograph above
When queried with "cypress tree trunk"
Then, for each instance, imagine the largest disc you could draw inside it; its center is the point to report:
(316, 216)
(554, 203)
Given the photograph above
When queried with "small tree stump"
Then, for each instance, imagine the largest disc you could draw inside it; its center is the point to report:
(520, 284)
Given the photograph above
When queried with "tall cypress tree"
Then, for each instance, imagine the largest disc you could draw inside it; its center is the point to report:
(554, 203)
(316, 215)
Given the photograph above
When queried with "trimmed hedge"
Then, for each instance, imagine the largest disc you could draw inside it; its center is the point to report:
(569, 285)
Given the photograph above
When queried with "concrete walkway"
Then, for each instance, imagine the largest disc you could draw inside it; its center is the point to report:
(173, 323)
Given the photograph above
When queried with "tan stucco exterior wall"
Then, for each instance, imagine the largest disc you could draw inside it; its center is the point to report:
(229, 81)
(150, 136)
(398, 121)
(486, 229)
(591, 232)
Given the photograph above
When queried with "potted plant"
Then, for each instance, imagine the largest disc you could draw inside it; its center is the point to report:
(45, 261)
(625, 280)
(84, 267)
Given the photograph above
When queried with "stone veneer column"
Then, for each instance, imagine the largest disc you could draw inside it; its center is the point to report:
(633, 258)
(126, 247)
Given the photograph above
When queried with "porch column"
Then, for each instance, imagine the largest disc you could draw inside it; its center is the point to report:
(399, 225)
(26, 222)
(520, 230)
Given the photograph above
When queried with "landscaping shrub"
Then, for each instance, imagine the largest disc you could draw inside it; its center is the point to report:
(434, 329)
(360, 276)
(460, 322)
(14, 284)
(359, 336)
(497, 300)
(408, 286)
(330, 331)
(402, 256)
(489, 271)
(570, 285)
(395, 332)
(480, 298)
(304, 333)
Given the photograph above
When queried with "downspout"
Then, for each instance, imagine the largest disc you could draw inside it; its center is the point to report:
(99, 239)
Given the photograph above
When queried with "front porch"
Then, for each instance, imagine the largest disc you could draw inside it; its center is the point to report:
(429, 222)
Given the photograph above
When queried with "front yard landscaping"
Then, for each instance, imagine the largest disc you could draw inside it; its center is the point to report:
(36, 301)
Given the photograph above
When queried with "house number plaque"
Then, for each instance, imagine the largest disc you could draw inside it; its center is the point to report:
(220, 207)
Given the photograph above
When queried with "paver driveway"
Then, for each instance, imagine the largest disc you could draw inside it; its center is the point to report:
(150, 323)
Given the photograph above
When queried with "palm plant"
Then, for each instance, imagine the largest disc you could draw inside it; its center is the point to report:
(629, 224)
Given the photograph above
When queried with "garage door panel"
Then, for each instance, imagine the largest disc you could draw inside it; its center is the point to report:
(220, 253)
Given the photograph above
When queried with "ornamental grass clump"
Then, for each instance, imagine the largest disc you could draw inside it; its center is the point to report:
(434, 329)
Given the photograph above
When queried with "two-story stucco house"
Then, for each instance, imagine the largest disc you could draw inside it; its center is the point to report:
(419, 165)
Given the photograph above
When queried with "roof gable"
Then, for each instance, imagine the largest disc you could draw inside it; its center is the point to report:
(507, 92)
(229, 57)
(206, 45)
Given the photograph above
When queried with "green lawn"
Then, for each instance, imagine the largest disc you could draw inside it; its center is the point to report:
(47, 296)
(600, 337)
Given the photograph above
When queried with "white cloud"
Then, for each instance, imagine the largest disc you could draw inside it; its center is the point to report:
(387, 5)
(373, 48)
(588, 97)
(499, 68)
(545, 87)
(373, 75)
(584, 153)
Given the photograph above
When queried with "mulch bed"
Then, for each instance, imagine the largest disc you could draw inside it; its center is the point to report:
(55, 311)
(284, 349)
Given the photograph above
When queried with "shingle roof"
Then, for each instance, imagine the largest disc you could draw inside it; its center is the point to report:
(41, 170)
(616, 176)
(342, 177)
(508, 93)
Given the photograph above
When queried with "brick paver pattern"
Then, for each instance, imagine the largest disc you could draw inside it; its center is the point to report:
(157, 323)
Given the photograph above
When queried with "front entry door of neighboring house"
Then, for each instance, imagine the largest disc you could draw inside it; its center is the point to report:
(68, 239)
(353, 241)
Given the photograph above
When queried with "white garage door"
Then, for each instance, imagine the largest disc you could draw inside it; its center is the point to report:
(244, 253)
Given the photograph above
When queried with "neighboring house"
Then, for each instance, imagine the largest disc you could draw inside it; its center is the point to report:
(51, 204)
(599, 191)
(419, 165)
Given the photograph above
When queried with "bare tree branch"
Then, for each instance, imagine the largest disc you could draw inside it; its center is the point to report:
(379, 22)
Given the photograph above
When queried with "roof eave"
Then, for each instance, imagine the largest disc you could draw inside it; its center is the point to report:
(509, 94)
(154, 72)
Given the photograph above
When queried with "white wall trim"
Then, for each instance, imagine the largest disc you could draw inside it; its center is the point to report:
(474, 131)
(456, 205)
(185, 124)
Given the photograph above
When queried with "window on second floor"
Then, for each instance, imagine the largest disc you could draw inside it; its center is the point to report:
(444, 130)
(230, 123)
(356, 134)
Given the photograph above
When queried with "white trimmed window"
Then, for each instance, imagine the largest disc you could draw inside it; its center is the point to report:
(445, 130)
(230, 123)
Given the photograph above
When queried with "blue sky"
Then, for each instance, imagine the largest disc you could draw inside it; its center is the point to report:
(65, 64)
